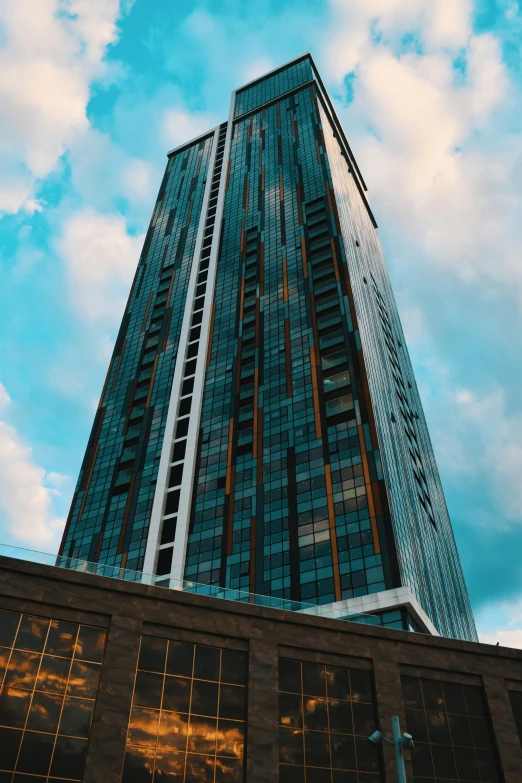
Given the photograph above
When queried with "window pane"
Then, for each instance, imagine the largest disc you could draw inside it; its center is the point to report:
(343, 751)
(289, 675)
(8, 625)
(139, 765)
(205, 698)
(338, 682)
(317, 750)
(53, 674)
(76, 717)
(314, 682)
(340, 716)
(291, 710)
(10, 740)
(291, 746)
(363, 719)
(454, 698)
(45, 712)
(412, 693)
(232, 702)
(147, 690)
(170, 766)
(230, 738)
(35, 753)
(202, 735)
(69, 758)
(143, 726)
(229, 771)
(289, 774)
(199, 769)
(14, 705)
(207, 663)
(152, 654)
(176, 694)
(180, 658)
(61, 638)
(233, 667)
(90, 644)
(22, 669)
(83, 680)
(315, 714)
(31, 634)
(361, 686)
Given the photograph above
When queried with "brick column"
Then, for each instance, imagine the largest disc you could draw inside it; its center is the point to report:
(389, 702)
(508, 742)
(111, 715)
(262, 739)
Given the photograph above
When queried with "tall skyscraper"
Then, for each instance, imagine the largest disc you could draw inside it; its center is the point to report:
(260, 427)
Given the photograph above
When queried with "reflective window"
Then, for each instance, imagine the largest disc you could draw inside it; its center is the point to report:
(188, 714)
(49, 672)
(451, 732)
(326, 714)
(516, 703)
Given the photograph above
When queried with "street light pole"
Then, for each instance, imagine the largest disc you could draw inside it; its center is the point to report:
(400, 741)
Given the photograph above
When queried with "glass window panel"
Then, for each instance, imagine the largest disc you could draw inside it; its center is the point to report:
(460, 730)
(232, 702)
(487, 765)
(173, 730)
(343, 751)
(289, 675)
(516, 704)
(466, 762)
(412, 693)
(314, 681)
(199, 769)
(14, 705)
(202, 735)
(438, 728)
(340, 716)
(83, 680)
(90, 644)
(363, 719)
(35, 753)
(443, 761)
(45, 712)
(152, 654)
(176, 694)
(342, 776)
(32, 633)
(229, 771)
(474, 700)
(143, 726)
(206, 663)
(315, 714)
(317, 749)
(230, 738)
(338, 681)
(61, 639)
(480, 732)
(170, 766)
(291, 746)
(5, 652)
(147, 690)
(205, 698)
(421, 760)
(22, 669)
(416, 722)
(289, 774)
(180, 659)
(76, 717)
(454, 698)
(10, 740)
(8, 625)
(367, 755)
(69, 758)
(53, 674)
(432, 692)
(361, 686)
(139, 765)
(233, 667)
(291, 710)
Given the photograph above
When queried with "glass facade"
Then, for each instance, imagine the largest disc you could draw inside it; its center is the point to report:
(49, 672)
(187, 722)
(451, 731)
(326, 714)
(297, 461)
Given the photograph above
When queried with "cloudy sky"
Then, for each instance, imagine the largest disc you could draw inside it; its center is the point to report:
(92, 95)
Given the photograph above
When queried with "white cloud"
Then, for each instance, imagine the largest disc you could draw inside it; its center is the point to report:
(50, 53)
(257, 68)
(5, 399)
(179, 126)
(26, 503)
(506, 637)
(100, 259)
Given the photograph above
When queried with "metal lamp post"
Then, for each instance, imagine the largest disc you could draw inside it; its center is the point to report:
(400, 741)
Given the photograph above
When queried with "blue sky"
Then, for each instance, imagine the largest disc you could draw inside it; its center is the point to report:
(93, 93)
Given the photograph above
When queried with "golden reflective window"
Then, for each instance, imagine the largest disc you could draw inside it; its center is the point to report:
(187, 722)
(49, 671)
